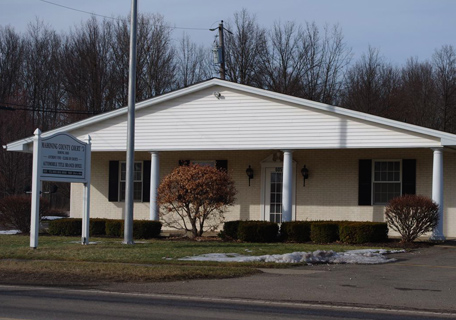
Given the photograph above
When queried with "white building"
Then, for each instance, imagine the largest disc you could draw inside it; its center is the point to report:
(356, 161)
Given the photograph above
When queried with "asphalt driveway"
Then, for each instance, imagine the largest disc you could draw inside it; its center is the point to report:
(424, 279)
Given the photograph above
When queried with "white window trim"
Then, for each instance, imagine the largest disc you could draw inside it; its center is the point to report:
(120, 180)
(373, 178)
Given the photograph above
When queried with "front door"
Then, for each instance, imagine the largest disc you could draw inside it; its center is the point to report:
(273, 194)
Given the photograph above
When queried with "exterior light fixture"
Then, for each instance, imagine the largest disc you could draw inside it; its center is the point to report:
(249, 173)
(305, 175)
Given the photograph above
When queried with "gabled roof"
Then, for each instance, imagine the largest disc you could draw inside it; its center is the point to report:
(439, 138)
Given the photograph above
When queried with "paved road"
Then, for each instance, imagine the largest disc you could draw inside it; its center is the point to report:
(422, 280)
(421, 285)
(62, 304)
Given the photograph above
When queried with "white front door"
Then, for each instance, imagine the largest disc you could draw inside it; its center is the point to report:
(273, 194)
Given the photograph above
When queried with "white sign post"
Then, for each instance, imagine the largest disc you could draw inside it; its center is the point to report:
(60, 157)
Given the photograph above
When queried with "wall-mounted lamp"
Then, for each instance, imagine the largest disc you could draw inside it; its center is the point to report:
(305, 175)
(217, 94)
(249, 173)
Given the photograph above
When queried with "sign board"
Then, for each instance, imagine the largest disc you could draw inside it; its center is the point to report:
(60, 157)
(63, 158)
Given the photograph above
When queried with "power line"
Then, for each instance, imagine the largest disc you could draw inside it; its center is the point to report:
(113, 18)
(22, 107)
(74, 9)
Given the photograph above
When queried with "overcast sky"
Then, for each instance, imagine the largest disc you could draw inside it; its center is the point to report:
(399, 28)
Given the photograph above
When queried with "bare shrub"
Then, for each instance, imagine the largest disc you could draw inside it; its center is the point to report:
(15, 212)
(194, 198)
(411, 216)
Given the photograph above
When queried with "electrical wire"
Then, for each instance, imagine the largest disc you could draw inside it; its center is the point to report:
(22, 107)
(113, 18)
(70, 8)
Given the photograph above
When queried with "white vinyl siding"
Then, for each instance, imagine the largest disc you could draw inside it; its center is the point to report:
(241, 121)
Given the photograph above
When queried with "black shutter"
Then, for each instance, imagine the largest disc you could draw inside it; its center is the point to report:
(408, 176)
(222, 165)
(184, 162)
(146, 181)
(365, 182)
(113, 190)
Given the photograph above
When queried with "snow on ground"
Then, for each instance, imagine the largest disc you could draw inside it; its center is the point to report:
(9, 231)
(365, 256)
(52, 217)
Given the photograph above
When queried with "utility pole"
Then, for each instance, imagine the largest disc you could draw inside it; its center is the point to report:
(221, 49)
(128, 230)
(222, 46)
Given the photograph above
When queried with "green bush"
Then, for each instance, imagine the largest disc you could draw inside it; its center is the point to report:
(363, 232)
(97, 227)
(146, 229)
(295, 231)
(65, 227)
(324, 232)
(114, 228)
(230, 230)
(258, 231)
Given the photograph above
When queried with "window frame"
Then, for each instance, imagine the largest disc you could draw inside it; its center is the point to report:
(209, 163)
(134, 181)
(374, 161)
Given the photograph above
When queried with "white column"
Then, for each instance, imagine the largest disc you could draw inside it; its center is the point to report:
(287, 185)
(154, 182)
(36, 191)
(437, 191)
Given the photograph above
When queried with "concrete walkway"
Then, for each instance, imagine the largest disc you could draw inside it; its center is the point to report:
(424, 279)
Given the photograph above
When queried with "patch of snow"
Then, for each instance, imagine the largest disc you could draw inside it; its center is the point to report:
(10, 232)
(52, 217)
(365, 256)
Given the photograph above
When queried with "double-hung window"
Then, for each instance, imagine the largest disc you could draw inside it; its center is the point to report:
(386, 180)
(137, 181)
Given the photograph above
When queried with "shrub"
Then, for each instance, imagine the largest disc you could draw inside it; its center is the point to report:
(411, 216)
(195, 197)
(146, 229)
(97, 227)
(230, 230)
(15, 211)
(324, 232)
(258, 231)
(295, 231)
(65, 227)
(114, 228)
(363, 232)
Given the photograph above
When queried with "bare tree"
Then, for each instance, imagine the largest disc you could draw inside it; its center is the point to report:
(156, 58)
(14, 125)
(372, 86)
(11, 62)
(282, 63)
(191, 63)
(244, 48)
(326, 58)
(87, 64)
(444, 61)
(42, 79)
(419, 94)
